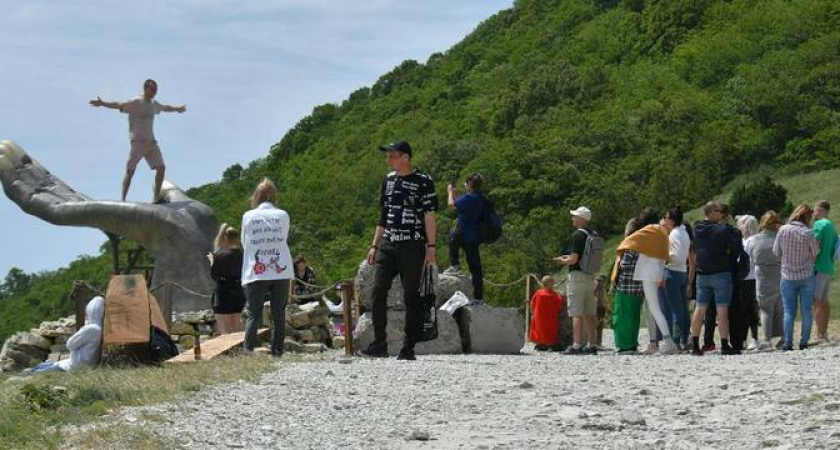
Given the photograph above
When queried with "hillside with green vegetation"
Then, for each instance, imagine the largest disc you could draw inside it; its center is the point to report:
(614, 104)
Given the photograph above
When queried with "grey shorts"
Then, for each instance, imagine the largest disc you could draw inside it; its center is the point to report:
(580, 290)
(823, 286)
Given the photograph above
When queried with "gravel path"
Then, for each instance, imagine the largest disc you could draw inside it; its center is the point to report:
(768, 400)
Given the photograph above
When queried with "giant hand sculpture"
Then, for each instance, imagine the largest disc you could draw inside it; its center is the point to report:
(179, 232)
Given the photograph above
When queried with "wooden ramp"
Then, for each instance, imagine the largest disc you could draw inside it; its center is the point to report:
(212, 348)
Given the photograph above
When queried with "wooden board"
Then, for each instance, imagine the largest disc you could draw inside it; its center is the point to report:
(214, 347)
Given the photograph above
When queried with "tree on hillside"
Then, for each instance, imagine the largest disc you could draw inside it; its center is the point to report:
(760, 196)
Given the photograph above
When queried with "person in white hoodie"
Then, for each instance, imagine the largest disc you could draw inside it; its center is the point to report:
(267, 268)
(84, 345)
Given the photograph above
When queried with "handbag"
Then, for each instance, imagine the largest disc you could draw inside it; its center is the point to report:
(429, 331)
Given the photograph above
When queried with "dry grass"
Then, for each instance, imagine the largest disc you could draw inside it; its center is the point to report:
(91, 394)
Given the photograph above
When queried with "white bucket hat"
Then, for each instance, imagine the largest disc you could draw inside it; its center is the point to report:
(582, 212)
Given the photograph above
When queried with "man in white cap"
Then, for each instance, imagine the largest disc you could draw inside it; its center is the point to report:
(580, 286)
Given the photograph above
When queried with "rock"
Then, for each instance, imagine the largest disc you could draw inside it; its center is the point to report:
(262, 351)
(293, 346)
(448, 341)
(495, 330)
(338, 342)
(418, 436)
(314, 348)
(526, 385)
(61, 339)
(205, 329)
(445, 288)
(633, 418)
(292, 308)
(320, 317)
(29, 340)
(304, 336)
(299, 320)
(290, 330)
(58, 349)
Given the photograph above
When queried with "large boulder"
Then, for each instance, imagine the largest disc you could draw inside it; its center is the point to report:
(448, 341)
(495, 330)
(445, 288)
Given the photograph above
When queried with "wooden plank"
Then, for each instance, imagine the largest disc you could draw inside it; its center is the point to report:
(212, 348)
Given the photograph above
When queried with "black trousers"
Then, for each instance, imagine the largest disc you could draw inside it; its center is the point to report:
(709, 323)
(742, 315)
(456, 243)
(406, 260)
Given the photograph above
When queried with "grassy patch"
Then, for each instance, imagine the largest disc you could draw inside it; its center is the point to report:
(34, 411)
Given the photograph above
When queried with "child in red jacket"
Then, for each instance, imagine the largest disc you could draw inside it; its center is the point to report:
(546, 304)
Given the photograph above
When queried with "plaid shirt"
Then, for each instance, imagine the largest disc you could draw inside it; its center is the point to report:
(626, 269)
(797, 247)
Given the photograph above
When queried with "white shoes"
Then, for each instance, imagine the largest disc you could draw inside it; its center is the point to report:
(754, 345)
(669, 347)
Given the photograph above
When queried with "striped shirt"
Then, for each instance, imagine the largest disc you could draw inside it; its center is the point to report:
(797, 247)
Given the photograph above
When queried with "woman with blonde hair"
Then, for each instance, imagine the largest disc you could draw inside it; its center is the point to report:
(267, 270)
(226, 271)
(797, 247)
(768, 276)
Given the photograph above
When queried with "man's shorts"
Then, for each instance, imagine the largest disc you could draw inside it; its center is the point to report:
(580, 290)
(144, 149)
(823, 285)
(717, 287)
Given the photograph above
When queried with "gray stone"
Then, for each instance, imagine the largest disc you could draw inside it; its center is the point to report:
(338, 342)
(632, 418)
(179, 232)
(205, 329)
(58, 349)
(29, 340)
(320, 317)
(444, 288)
(448, 341)
(299, 320)
(495, 330)
(304, 336)
(314, 348)
(293, 346)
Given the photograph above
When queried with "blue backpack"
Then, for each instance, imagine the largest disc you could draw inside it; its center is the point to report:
(490, 226)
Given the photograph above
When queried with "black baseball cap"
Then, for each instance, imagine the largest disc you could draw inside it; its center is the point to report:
(397, 146)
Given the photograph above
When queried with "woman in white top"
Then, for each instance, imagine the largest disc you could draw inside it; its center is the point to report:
(267, 265)
(748, 225)
(673, 293)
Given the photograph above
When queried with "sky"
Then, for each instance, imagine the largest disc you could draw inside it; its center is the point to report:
(247, 71)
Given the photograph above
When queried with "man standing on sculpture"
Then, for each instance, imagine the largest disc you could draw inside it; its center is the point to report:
(403, 244)
(141, 117)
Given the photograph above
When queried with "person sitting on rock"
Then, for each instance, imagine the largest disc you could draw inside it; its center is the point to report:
(546, 304)
(84, 344)
(304, 279)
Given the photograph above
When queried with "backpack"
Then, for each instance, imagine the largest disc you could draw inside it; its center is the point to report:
(490, 226)
(161, 345)
(837, 250)
(744, 267)
(593, 252)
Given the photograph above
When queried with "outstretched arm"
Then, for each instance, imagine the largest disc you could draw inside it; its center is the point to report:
(100, 102)
(175, 108)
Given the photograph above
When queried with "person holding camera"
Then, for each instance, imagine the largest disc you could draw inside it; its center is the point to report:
(470, 208)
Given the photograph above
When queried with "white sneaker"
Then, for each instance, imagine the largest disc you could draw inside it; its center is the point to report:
(651, 349)
(754, 345)
(764, 346)
(669, 347)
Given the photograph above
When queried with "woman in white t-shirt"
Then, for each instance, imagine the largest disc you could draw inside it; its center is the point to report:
(267, 266)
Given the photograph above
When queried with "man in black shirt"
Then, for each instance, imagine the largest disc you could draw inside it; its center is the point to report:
(404, 242)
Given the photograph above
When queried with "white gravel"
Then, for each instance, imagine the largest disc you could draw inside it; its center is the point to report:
(769, 400)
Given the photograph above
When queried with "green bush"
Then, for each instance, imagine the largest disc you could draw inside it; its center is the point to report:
(760, 196)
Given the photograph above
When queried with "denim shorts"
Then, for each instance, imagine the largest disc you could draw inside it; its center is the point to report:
(716, 286)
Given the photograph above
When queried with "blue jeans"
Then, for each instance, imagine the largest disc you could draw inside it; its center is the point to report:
(792, 292)
(715, 287)
(674, 305)
(47, 366)
(276, 292)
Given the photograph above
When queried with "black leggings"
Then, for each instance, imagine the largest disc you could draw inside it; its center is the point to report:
(456, 243)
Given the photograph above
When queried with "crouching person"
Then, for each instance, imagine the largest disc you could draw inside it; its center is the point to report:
(84, 345)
